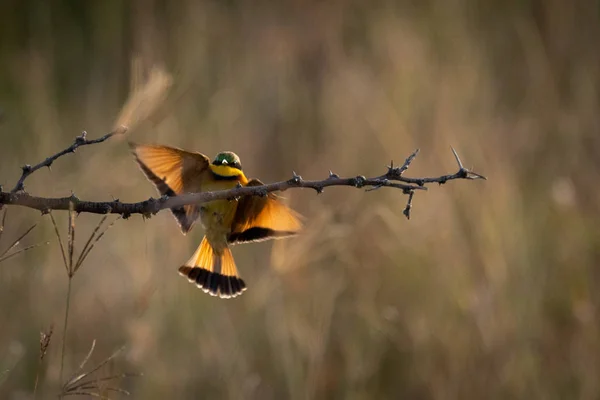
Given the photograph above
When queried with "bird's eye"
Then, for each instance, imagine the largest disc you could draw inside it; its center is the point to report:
(225, 162)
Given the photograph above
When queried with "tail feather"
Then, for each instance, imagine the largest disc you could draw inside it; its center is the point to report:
(214, 273)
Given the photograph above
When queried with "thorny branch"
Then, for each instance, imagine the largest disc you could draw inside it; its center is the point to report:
(393, 178)
(80, 141)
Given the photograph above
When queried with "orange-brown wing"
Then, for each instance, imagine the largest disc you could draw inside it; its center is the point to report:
(262, 218)
(173, 171)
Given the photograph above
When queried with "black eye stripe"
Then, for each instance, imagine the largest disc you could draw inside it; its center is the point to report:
(231, 163)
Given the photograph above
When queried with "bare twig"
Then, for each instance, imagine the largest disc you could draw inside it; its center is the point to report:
(80, 141)
(408, 207)
(393, 178)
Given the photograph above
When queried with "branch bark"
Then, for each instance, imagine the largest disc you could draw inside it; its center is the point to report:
(393, 178)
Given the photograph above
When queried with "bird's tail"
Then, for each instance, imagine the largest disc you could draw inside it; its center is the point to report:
(213, 271)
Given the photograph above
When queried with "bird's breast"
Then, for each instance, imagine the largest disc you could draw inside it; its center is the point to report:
(217, 216)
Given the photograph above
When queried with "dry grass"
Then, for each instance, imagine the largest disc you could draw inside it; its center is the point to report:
(487, 292)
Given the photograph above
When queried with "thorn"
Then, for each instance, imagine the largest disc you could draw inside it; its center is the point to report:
(399, 171)
(460, 166)
(464, 172)
(238, 185)
(296, 178)
(333, 175)
(319, 189)
(79, 141)
(26, 168)
(474, 175)
(45, 211)
(391, 168)
(81, 138)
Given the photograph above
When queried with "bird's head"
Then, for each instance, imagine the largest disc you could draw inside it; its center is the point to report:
(228, 158)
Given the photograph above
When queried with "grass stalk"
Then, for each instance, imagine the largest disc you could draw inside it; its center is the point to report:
(45, 338)
(65, 327)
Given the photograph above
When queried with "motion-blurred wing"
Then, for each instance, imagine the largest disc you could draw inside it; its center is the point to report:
(262, 218)
(173, 171)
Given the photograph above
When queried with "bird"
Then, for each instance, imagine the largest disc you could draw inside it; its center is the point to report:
(174, 171)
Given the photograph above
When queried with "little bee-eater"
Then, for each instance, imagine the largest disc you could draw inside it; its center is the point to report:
(226, 222)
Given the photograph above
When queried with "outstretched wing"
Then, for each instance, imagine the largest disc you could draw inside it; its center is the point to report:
(173, 171)
(262, 218)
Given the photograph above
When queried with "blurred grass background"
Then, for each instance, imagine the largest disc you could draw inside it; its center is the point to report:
(487, 292)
